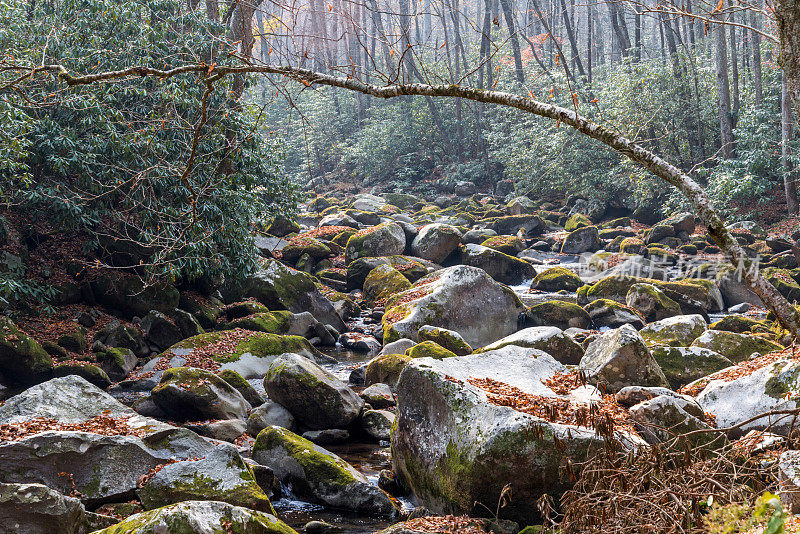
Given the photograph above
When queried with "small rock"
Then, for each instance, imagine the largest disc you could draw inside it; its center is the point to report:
(377, 424)
(330, 436)
(379, 395)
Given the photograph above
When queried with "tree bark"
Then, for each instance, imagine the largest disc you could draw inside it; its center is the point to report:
(787, 15)
(724, 90)
(789, 183)
(509, 16)
(756, 43)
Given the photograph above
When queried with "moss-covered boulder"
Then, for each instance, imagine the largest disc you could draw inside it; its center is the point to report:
(740, 324)
(382, 282)
(385, 369)
(620, 358)
(190, 394)
(312, 394)
(317, 474)
(282, 288)
(22, 359)
(74, 341)
(521, 205)
(558, 313)
(582, 240)
(783, 282)
(678, 331)
(117, 362)
(531, 225)
(277, 322)
(237, 310)
(282, 226)
(556, 279)
(132, 297)
(242, 386)
(191, 517)
(736, 347)
(412, 268)
(651, 302)
(693, 296)
(450, 340)
(502, 267)
(461, 298)
(611, 314)
(576, 221)
(455, 449)
(220, 476)
(547, 339)
(429, 349)
(386, 239)
(92, 373)
(300, 245)
(682, 365)
(246, 352)
(435, 242)
(401, 200)
(507, 244)
(631, 245)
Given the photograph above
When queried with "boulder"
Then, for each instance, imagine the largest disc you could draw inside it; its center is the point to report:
(456, 450)
(312, 394)
(429, 349)
(620, 358)
(122, 336)
(531, 225)
(693, 296)
(377, 424)
(378, 396)
(789, 477)
(317, 474)
(37, 509)
(679, 331)
(558, 313)
(283, 288)
(682, 365)
(667, 417)
(443, 337)
(735, 347)
(461, 298)
(386, 239)
(502, 267)
(242, 386)
(200, 517)
(160, 330)
(268, 414)
(22, 359)
(220, 476)
(117, 362)
(556, 279)
(507, 244)
(358, 342)
(577, 220)
(382, 282)
(412, 268)
(190, 394)
(385, 369)
(547, 339)
(585, 239)
(651, 302)
(131, 296)
(749, 394)
(610, 314)
(435, 242)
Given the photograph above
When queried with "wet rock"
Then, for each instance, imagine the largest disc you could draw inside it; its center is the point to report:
(547, 339)
(678, 331)
(195, 394)
(461, 298)
(317, 474)
(377, 424)
(268, 414)
(330, 436)
(620, 358)
(435, 242)
(359, 342)
(502, 267)
(321, 527)
(313, 395)
(200, 517)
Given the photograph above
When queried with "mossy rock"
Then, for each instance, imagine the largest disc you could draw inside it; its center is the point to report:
(740, 324)
(282, 226)
(118, 362)
(682, 365)
(510, 225)
(382, 282)
(242, 386)
(504, 268)
(342, 237)
(191, 517)
(582, 294)
(661, 254)
(783, 282)
(621, 222)
(277, 322)
(386, 239)
(301, 245)
(691, 295)
(688, 249)
(556, 279)
(577, 221)
(131, 296)
(507, 244)
(736, 347)
(22, 359)
(385, 369)
(88, 371)
(401, 200)
(448, 339)
(191, 394)
(651, 302)
(679, 331)
(429, 349)
(74, 341)
(631, 245)
(558, 313)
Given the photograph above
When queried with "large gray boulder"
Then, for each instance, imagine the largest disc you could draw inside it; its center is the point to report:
(200, 517)
(678, 331)
(22, 359)
(620, 358)
(548, 339)
(386, 239)
(436, 241)
(37, 509)
(502, 267)
(456, 449)
(585, 239)
(461, 298)
(668, 417)
(317, 474)
(268, 414)
(190, 394)
(312, 394)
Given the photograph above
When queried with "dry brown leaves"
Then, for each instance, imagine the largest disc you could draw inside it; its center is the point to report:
(204, 357)
(448, 524)
(101, 424)
(324, 232)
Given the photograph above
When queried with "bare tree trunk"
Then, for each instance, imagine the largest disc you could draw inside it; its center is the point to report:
(509, 16)
(787, 15)
(755, 23)
(789, 182)
(572, 40)
(734, 75)
(724, 101)
(589, 41)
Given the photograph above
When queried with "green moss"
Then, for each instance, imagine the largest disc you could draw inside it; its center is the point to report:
(277, 322)
(577, 221)
(384, 281)
(445, 338)
(90, 372)
(737, 347)
(739, 324)
(507, 244)
(631, 245)
(681, 369)
(556, 279)
(560, 314)
(21, 357)
(429, 349)
(385, 368)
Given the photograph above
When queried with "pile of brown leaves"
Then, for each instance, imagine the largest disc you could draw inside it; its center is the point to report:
(448, 524)
(104, 425)
(325, 232)
(204, 357)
